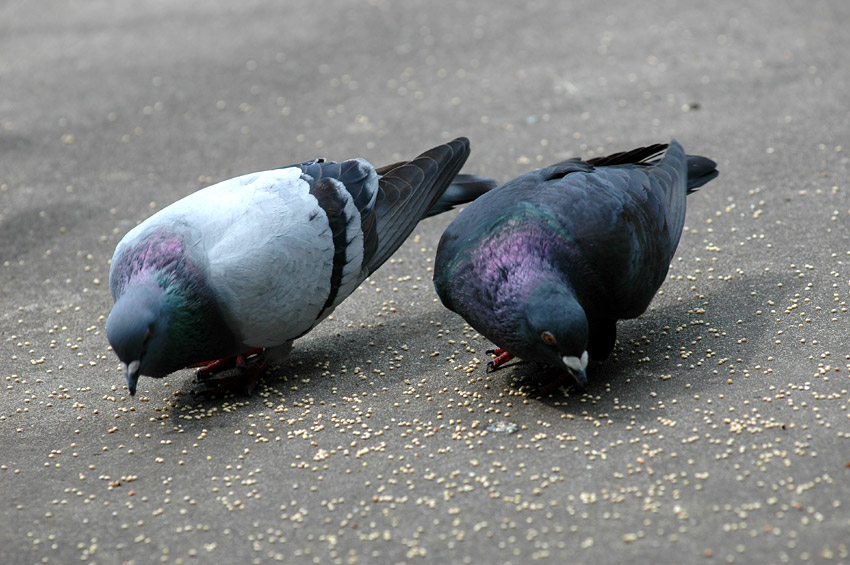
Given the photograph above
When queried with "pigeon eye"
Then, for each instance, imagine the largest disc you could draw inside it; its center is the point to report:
(547, 337)
(149, 334)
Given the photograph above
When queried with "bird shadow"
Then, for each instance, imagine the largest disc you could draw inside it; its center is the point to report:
(330, 361)
(676, 342)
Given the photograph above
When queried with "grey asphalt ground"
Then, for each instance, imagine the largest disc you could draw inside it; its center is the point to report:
(718, 433)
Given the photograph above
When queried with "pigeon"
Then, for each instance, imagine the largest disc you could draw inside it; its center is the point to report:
(544, 265)
(252, 263)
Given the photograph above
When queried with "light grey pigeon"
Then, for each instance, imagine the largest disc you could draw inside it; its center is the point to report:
(258, 260)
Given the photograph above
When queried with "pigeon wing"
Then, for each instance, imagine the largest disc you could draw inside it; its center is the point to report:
(408, 191)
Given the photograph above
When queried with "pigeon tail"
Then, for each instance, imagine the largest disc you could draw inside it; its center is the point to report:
(465, 188)
(700, 171)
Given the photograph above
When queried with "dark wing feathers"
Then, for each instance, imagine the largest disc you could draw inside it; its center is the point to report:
(670, 177)
(387, 168)
(632, 238)
(562, 169)
(639, 156)
(398, 193)
(651, 182)
(408, 191)
(633, 156)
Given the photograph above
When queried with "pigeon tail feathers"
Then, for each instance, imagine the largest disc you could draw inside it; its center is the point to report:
(701, 170)
(465, 188)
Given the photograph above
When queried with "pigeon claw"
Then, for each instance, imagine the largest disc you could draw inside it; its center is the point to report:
(502, 357)
(242, 382)
(209, 368)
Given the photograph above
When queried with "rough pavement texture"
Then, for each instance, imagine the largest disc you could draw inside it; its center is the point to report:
(719, 433)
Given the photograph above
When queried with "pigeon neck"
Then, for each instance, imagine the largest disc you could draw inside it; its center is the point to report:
(531, 271)
(549, 284)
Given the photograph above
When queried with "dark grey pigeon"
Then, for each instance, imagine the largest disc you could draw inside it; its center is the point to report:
(258, 260)
(546, 264)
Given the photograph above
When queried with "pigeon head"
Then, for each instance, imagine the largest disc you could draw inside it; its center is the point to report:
(557, 329)
(137, 329)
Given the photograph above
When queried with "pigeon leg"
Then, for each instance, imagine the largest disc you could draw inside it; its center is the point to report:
(563, 378)
(242, 382)
(601, 340)
(208, 368)
(501, 358)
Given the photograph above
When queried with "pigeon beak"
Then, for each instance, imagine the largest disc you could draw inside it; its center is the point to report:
(576, 367)
(580, 377)
(131, 371)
